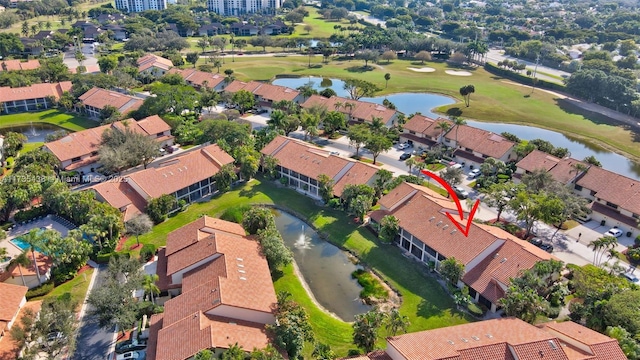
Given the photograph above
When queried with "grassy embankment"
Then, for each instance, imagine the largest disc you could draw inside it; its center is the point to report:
(424, 301)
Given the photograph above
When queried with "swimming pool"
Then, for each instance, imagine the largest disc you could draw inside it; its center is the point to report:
(22, 244)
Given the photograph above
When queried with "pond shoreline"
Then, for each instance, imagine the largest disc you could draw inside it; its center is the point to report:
(395, 298)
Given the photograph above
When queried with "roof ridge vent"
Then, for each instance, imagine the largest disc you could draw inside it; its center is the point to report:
(450, 342)
(439, 223)
(431, 218)
(453, 231)
(445, 226)
(503, 260)
(475, 338)
(464, 340)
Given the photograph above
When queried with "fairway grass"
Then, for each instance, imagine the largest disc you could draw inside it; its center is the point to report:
(495, 98)
(424, 301)
(67, 121)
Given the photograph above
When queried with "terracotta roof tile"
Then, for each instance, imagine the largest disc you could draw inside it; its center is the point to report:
(542, 349)
(421, 124)
(122, 196)
(17, 65)
(198, 78)
(184, 338)
(152, 60)
(481, 141)
(11, 297)
(311, 161)
(276, 93)
(362, 109)
(238, 85)
(602, 346)
(608, 351)
(99, 98)
(565, 171)
(203, 298)
(35, 91)
(44, 264)
(536, 160)
(155, 324)
(611, 187)
(487, 352)
(167, 177)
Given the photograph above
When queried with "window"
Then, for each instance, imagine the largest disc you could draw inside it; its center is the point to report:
(406, 244)
(612, 205)
(412, 132)
(416, 252)
(76, 159)
(636, 216)
(578, 187)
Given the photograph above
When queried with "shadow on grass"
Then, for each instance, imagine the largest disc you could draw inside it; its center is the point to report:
(570, 107)
(454, 111)
(359, 69)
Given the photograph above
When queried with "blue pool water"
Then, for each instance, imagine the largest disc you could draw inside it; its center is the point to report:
(22, 245)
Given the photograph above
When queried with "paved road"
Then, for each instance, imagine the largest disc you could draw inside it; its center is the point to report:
(496, 55)
(94, 343)
(91, 62)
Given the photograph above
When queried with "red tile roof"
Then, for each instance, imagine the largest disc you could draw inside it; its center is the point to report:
(152, 60)
(99, 98)
(562, 170)
(490, 340)
(35, 91)
(238, 85)
(481, 141)
(167, 177)
(198, 78)
(85, 142)
(122, 196)
(616, 189)
(44, 264)
(312, 161)
(603, 347)
(155, 324)
(276, 93)
(421, 124)
(361, 110)
(11, 297)
(17, 65)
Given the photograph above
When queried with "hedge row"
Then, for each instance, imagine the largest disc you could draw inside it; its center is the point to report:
(523, 79)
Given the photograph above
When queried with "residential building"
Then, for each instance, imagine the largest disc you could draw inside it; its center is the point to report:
(119, 33)
(238, 7)
(301, 164)
(217, 291)
(31, 46)
(244, 29)
(97, 99)
(28, 275)
(356, 111)
(12, 299)
(18, 65)
(473, 145)
(212, 29)
(153, 65)
(14, 3)
(198, 79)
(140, 5)
(110, 18)
(188, 176)
(266, 94)
(423, 131)
(615, 199)
(78, 151)
(502, 339)
(490, 255)
(42, 35)
(31, 98)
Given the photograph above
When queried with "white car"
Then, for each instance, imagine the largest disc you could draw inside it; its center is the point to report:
(133, 355)
(615, 232)
(631, 278)
(403, 146)
(462, 193)
(474, 173)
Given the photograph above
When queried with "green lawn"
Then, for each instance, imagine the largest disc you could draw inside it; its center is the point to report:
(68, 121)
(495, 99)
(77, 287)
(424, 301)
(322, 28)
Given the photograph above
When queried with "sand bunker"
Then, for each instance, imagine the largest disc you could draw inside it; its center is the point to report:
(458, 72)
(422, 69)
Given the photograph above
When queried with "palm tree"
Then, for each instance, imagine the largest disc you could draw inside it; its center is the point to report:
(578, 168)
(20, 261)
(34, 239)
(458, 121)
(338, 105)
(387, 77)
(350, 106)
(149, 285)
(411, 162)
(444, 126)
(396, 322)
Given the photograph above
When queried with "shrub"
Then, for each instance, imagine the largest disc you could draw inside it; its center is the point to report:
(41, 290)
(147, 252)
(235, 214)
(636, 242)
(104, 258)
(474, 309)
(284, 180)
(6, 226)
(26, 215)
(553, 311)
(334, 203)
(371, 287)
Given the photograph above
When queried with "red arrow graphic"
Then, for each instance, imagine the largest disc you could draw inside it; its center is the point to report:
(450, 190)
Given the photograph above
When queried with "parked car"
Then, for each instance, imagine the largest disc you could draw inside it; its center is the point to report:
(335, 153)
(631, 278)
(132, 355)
(129, 346)
(462, 193)
(536, 241)
(456, 166)
(403, 146)
(405, 156)
(546, 247)
(474, 173)
(615, 232)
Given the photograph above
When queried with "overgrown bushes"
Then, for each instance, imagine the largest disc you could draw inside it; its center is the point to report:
(41, 290)
(26, 215)
(147, 252)
(372, 289)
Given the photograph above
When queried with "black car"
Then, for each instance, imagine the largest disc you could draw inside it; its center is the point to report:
(547, 247)
(126, 346)
(405, 156)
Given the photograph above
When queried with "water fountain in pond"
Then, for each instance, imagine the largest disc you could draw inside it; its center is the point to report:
(303, 241)
(32, 129)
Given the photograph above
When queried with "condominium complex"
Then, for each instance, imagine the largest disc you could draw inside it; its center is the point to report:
(238, 7)
(140, 5)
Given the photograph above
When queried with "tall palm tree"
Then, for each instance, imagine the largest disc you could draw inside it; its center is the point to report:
(444, 126)
(350, 106)
(20, 261)
(149, 285)
(396, 322)
(34, 239)
(578, 168)
(411, 162)
(338, 105)
(457, 122)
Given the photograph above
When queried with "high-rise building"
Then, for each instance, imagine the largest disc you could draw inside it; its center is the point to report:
(140, 5)
(239, 7)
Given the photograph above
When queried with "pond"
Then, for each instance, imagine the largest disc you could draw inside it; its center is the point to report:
(408, 103)
(34, 132)
(325, 268)
(579, 149)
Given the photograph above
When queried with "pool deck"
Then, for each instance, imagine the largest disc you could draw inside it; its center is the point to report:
(48, 222)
